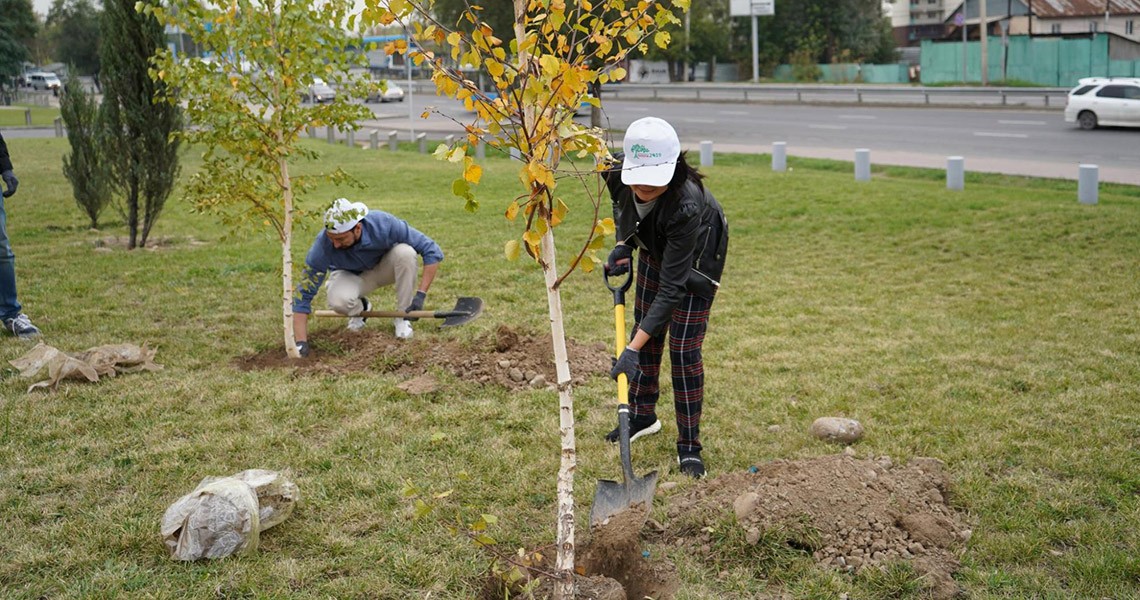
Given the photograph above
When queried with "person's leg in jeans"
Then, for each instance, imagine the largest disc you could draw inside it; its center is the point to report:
(9, 305)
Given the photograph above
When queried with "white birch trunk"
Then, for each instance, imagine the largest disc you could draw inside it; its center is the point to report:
(565, 560)
(287, 263)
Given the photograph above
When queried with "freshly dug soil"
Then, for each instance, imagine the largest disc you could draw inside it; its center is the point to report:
(508, 357)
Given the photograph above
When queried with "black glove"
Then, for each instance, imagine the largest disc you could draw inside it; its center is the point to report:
(303, 348)
(417, 304)
(626, 363)
(10, 181)
(620, 252)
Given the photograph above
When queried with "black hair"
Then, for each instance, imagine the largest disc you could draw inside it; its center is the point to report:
(684, 172)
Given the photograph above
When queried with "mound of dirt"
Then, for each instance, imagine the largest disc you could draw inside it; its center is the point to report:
(507, 357)
(850, 514)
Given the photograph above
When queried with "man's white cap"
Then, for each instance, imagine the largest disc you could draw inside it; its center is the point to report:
(651, 150)
(344, 215)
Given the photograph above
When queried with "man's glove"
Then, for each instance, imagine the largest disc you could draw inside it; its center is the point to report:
(303, 348)
(10, 182)
(417, 304)
(619, 253)
(626, 363)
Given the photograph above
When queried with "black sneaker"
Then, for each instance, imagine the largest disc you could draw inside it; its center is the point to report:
(638, 427)
(692, 465)
(21, 327)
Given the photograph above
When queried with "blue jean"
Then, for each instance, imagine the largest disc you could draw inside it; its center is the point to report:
(9, 305)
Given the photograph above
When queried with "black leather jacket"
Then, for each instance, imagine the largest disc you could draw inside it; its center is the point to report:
(686, 233)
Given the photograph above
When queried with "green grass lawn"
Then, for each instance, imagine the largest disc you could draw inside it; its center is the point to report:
(995, 329)
(15, 115)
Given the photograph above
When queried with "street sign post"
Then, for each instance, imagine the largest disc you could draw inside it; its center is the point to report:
(754, 9)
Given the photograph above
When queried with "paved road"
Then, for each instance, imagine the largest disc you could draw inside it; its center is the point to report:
(1018, 141)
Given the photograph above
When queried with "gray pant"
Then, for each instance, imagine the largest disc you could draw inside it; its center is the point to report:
(398, 266)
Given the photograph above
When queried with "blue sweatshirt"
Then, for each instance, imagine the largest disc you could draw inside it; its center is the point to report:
(378, 233)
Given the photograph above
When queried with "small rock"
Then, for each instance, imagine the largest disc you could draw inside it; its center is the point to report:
(935, 496)
(966, 534)
(840, 561)
(849, 451)
(531, 375)
(516, 374)
(666, 486)
(745, 504)
(752, 537)
(855, 562)
(1055, 552)
(538, 381)
(504, 364)
(916, 548)
(773, 428)
(837, 429)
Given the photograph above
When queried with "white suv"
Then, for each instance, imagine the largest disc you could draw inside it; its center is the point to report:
(1104, 101)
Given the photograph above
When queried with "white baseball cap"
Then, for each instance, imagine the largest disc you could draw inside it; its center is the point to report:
(651, 150)
(344, 215)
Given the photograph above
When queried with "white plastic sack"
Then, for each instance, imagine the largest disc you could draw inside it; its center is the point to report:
(217, 519)
(276, 495)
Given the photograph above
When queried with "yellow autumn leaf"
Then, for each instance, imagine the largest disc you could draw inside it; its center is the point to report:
(560, 211)
(512, 250)
(512, 211)
(617, 74)
(473, 173)
(662, 38)
(494, 67)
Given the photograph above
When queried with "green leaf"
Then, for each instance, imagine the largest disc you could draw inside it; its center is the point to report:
(512, 250)
(461, 188)
(438, 436)
(422, 509)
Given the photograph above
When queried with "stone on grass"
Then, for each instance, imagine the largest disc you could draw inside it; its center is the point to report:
(837, 429)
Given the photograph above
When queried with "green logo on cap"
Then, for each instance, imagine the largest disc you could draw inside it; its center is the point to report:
(640, 151)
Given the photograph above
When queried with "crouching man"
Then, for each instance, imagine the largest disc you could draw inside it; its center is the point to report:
(361, 250)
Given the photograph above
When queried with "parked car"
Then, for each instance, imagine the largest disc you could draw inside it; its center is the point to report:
(1100, 101)
(43, 81)
(318, 92)
(393, 93)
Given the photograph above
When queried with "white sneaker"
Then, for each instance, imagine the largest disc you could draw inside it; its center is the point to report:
(357, 323)
(403, 329)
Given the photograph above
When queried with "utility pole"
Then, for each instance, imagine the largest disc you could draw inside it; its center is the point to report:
(985, 55)
(685, 75)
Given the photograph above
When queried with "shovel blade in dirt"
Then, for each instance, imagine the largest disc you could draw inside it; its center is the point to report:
(612, 498)
(466, 309)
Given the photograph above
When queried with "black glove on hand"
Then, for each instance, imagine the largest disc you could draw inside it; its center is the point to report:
(303, 348)
(620, 252)
(417, 304)
(10, 182)
(626, 363)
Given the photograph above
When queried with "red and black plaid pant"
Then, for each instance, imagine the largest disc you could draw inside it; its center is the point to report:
(686, 335)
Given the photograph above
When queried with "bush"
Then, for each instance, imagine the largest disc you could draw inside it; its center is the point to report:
(85, 166)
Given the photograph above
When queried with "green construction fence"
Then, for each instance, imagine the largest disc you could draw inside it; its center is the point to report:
(1049, 62)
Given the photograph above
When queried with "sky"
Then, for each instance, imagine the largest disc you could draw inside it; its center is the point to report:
(41, 7)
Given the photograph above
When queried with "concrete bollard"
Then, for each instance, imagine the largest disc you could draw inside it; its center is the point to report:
(448, 140)
(58, 127)
(862, 164)
(330, 134)
(779, 156)
(1087, 184)
(393, 140)
(350, 138)
(28, 117)
(516, 154)
(955, 173)
(422, 139)
(480, 149)
(706, 153)
(374, 140)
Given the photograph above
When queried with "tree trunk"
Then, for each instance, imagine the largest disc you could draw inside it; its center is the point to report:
(565, 561)
(133, 213)
(287, 263)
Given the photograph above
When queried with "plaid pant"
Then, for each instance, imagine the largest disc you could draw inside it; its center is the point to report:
(686, 334)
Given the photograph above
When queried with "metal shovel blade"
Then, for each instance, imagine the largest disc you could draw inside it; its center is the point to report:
(613, 498)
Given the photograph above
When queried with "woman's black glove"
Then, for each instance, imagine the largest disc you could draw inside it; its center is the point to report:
(619, 259)
(626, 363)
